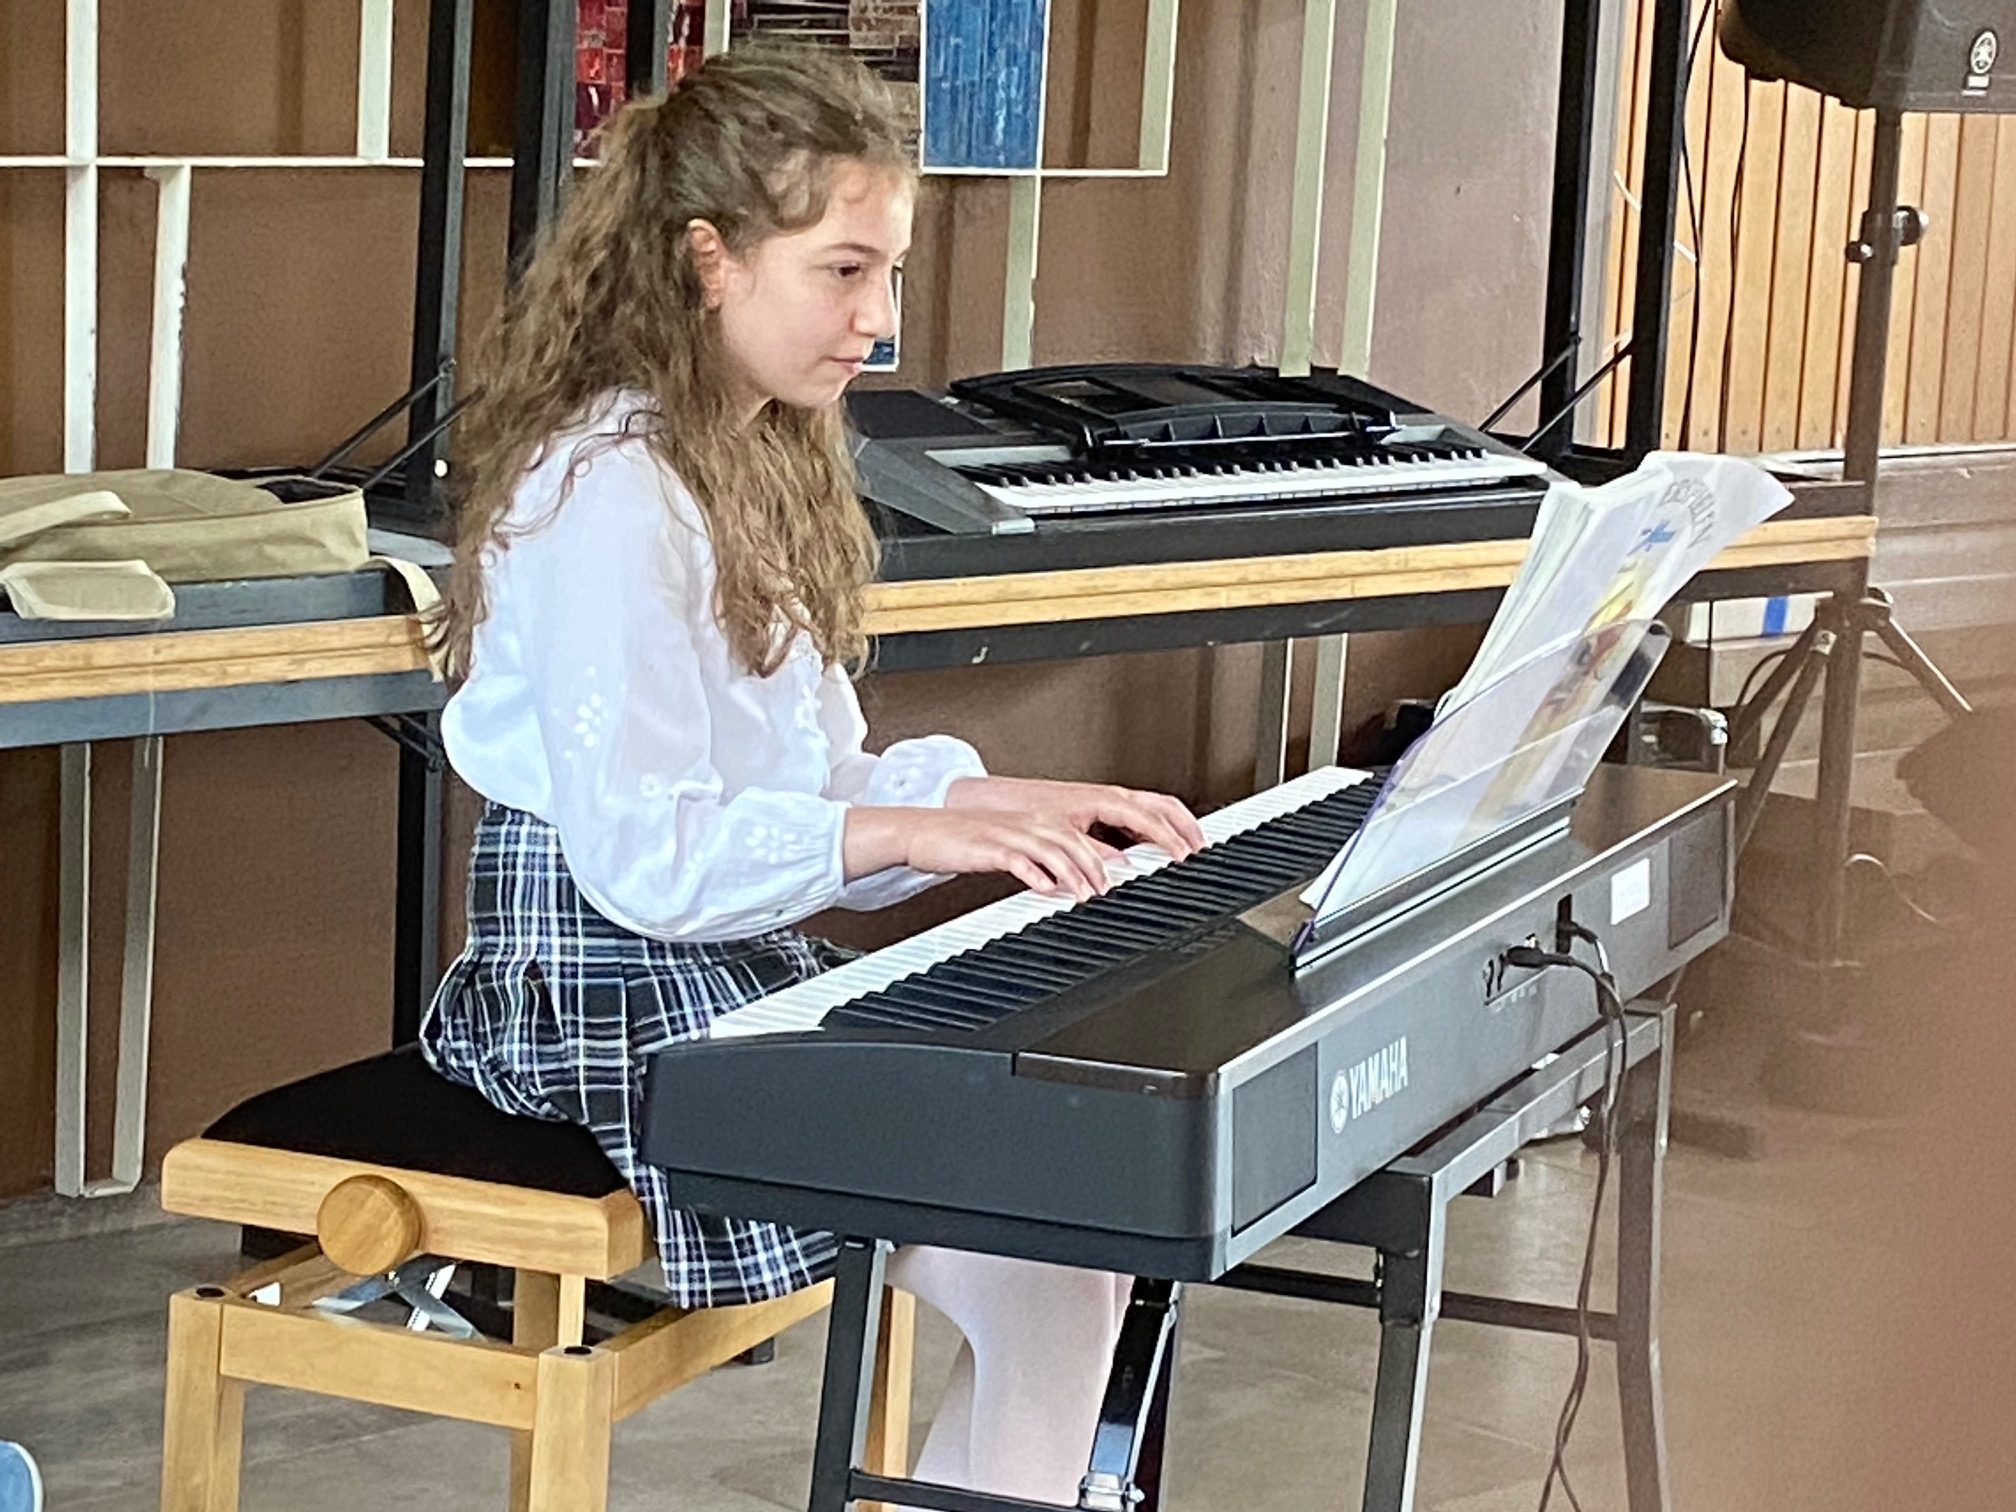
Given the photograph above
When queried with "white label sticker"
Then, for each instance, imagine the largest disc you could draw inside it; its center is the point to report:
(1631, 890)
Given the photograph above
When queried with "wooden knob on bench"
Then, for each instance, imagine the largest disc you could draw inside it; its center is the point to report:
(368, 1224)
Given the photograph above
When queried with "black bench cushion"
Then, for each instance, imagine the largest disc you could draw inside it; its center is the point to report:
(395, 1110)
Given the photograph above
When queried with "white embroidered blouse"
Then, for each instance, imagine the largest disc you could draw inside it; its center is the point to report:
(694, 800)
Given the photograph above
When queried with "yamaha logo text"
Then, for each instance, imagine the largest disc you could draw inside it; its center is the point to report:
(1361, 1088)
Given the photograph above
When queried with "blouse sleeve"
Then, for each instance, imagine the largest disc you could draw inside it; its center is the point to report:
(911, 773)
(649, 834)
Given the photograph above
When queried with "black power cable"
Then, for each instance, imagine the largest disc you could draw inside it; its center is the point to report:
(1610, 1006)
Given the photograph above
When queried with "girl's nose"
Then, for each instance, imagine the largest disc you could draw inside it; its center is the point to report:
(875, 315)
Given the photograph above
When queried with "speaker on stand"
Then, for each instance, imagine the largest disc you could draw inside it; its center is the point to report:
(1890, 56)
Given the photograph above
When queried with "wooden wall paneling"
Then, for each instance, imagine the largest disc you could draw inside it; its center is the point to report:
(1998, 301)
(1792, 270)
(1904, 292)
(1771, 366)
(1634, 52)
(1935, 270)
(1756, 242)
(1966, 293)
(1826, 338)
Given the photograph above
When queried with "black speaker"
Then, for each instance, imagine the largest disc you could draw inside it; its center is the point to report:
(1946, 55)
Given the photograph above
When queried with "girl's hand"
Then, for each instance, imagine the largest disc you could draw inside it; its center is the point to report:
(1157, 818)
(1040, 853)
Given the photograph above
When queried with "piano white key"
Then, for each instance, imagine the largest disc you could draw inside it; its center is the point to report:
(1257, 485)
(804, 1005)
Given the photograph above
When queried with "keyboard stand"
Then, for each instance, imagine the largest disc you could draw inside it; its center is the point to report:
(1401, 1212)
(1125, 1470)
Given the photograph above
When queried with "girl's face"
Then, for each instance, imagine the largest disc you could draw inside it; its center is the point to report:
(801, 310)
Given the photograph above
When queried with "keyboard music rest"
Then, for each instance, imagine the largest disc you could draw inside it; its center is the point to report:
(1173, 1116)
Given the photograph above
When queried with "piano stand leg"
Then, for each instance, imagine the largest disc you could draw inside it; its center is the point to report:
(1410, 1298)
(851, 1330)
(1125, 1473)
(1642, 1158)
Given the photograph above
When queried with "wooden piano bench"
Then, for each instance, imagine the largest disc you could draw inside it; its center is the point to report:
(399, 1174)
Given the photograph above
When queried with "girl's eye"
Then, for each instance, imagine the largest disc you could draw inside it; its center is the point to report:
(849, 270)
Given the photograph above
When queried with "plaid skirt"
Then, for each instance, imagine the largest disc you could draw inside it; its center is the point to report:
(551, 1011)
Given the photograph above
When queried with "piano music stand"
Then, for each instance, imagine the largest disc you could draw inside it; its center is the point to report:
(1402, 1212)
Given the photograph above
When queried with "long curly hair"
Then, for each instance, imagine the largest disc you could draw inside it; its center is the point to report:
(611, 300)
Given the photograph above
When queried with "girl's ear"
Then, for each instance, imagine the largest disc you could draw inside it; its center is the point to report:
(710, 256)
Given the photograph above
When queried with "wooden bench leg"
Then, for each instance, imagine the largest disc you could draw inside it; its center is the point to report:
(571, 1423)
(203, 1434)
(546, 1312)
(888, 1448)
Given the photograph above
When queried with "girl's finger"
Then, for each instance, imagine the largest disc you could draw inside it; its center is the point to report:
(1085, 853)
(1056, 860)
(1185, 821)
(1030, 875)
(1139, 817)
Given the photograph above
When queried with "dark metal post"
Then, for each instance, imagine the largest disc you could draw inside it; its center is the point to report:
(645, 42)
(1884, 233)
(1410, 1299)
(416, 949)
(544, 150)
(1142, 1362)
(852, 1327)
(1658, 218)
(1876, 254)
(1648, 1093)
(437, 279)
(1567, 252)
(1150, 1470)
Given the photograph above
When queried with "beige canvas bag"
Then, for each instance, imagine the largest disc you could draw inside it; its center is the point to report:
(106, 545)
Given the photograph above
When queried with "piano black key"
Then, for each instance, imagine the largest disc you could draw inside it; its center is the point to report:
(1119, 934)
(999, 975)
(1185, 889)
(1321, 827)
(1059, 954)
(1290, 851)
(1244, 859)
(877, 1009)
(1248, 876)
(1329, 823)
(922, 991)
(978, 995)
(1165, 907)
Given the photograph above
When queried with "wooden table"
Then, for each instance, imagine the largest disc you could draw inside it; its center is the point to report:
(308, 649)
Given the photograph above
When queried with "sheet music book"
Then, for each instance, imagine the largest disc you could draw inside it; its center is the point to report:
(1568, 653)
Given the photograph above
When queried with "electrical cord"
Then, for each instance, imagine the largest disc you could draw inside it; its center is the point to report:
(1610, 1006)
(1767, 661)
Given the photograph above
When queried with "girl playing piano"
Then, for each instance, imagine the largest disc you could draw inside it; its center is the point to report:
(657, 591)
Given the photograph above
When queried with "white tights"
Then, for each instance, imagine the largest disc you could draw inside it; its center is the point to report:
(1018, 1415)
